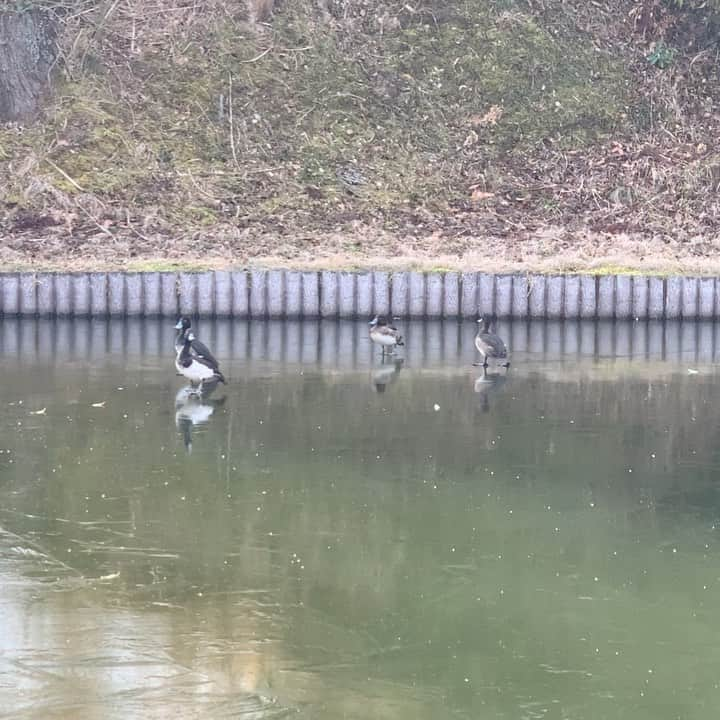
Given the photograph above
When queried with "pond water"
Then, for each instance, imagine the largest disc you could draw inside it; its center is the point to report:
(328, 537)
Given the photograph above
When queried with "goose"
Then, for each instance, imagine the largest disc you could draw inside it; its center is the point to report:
(199, 369)
(488, 343)
(387, 336)
(197, 349)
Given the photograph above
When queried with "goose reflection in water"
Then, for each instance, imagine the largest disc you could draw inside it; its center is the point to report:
(386, 375)
(193, 408)
(488, 384)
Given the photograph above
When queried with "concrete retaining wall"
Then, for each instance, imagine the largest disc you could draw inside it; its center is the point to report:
(292, 294)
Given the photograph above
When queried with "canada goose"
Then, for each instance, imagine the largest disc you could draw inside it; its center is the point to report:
(387, 336)
(489, 344)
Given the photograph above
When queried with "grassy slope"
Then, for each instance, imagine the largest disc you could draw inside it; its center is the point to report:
(485, 133)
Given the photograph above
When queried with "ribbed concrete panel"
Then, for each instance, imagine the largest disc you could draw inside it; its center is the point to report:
(468, 302)
(328, 293)
(151, 293)
(706, 298)
(451, 296)
(11, 295)
(381, 293)
(537, 289)
(571, 301)
(206, 293)
(623, 297)
(276, 293)
(116, 294)
(364, 290)
(416, 302)
(64, 295)
(240, 293)
(434, 287)
(46, 294)
(588, 296)
(520, 296)
(673, 298)
(690, 292)
(258, 293)
(503, 296)
(28, 294)
(641, 297)
(223, 293)
(606, 297)
(81, 295)
(293, 294)
(168, 294)
(346, 295)
(133, 294)
(310, 294)
(486, 294)
(400, 294)
(555, 298)
(656, 298)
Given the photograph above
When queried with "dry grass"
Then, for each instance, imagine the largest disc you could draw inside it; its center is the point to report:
(216, 132)
(365, 247)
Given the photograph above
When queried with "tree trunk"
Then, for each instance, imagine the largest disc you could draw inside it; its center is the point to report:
(27, 53)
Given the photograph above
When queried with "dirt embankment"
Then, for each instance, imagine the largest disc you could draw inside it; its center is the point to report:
(352, 133)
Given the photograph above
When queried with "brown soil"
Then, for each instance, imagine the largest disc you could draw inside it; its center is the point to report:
(372, 135)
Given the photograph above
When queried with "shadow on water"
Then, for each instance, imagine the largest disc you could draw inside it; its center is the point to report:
(350, 538)
(194, 408)
(487, 385)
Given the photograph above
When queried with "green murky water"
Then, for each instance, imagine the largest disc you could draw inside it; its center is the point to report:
(351, 541)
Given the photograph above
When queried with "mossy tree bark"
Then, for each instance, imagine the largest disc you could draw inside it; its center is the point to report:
(27, 54)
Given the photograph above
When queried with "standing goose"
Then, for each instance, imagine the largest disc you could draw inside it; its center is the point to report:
(387, 336)
(199, 368)
(489, 344)
(197, 349)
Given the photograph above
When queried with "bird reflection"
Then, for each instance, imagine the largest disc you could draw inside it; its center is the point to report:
(386, 374)
(194, 407)
(488, 384)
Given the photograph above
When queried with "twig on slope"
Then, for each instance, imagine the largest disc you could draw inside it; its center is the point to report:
(257, 57)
